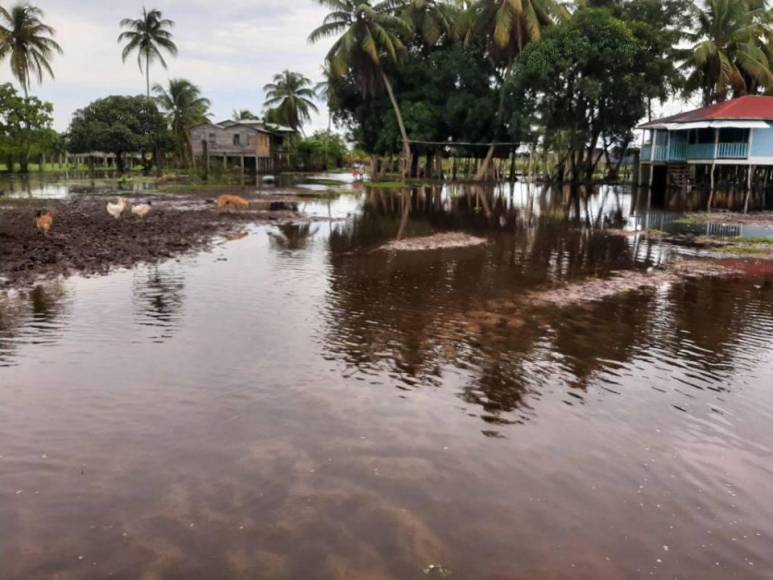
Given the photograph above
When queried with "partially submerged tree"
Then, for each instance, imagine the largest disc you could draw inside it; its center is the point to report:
(150, 37)
(28, 43)
(184, 107)
(119, 125)
(370, 37)
(584, 83)
(291, 96)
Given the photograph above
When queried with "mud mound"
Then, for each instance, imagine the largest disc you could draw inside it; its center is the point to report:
(86, 240)
(435, 242)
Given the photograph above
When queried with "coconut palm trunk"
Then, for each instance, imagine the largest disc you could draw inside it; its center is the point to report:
(403, 133)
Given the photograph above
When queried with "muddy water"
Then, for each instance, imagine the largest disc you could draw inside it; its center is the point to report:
(294, 404)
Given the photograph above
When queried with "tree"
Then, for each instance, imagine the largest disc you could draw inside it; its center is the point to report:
(370, 36)
(119, 125)
(149, 37)
(292, 97)
(184, 107)
(28, 42)
(320, 151)
(505, 27)
(584, 83)
(25, 127)
(430, 19)
(244, 115)
(730, 49)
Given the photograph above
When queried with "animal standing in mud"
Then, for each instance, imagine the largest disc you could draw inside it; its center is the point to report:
(44, 220)
(141, 210)
(232, 201)
(117, 209)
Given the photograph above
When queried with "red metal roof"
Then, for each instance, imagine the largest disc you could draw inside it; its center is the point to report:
(750, 108)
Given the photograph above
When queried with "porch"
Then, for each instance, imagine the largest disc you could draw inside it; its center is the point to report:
(696, 145)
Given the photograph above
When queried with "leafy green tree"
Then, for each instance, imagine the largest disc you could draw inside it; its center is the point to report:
(244, 115)
(730, 50)
(368, 37)
(321, 151)
(119, 125)
(148, 36)
(291, 96)
(583, 83)
(25, 127)
(27, 41)
(184, 107)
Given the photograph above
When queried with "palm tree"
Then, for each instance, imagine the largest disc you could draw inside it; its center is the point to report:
(430, 19)
(28, 42)
(292, 97)
(184, 107)
(370, 36)
(505, 27)
(730, 50)
(324, 91)
(148, 37)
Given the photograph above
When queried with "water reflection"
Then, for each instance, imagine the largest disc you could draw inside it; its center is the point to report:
(36, 316)
(158, 297)
(293, 236)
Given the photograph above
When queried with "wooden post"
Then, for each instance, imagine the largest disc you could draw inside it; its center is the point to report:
(241, 159)
(711, 192)
(748, 188)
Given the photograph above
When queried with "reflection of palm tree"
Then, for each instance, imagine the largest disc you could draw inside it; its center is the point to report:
(293, 236)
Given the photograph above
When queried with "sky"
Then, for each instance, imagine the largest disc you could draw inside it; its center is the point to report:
(229, 48)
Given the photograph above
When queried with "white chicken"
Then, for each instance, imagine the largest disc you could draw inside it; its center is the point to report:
(141, 210)
(116, 209)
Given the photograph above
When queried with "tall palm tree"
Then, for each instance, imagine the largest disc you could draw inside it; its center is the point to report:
(184, 107)
(149, 37)
(508, 25)
(369, 36)
(292, 97)
(324, 91)
(430, 19)
(730, 49)
(28, 42)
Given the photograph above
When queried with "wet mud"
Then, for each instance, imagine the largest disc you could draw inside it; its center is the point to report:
(442, 241)
(86, 240)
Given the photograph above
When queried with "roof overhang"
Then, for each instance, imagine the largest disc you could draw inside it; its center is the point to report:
(706, 125)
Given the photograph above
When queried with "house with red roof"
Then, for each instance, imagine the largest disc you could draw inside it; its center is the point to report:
(729, 144)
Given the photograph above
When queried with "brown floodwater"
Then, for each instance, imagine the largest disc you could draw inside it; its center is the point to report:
(295, 404)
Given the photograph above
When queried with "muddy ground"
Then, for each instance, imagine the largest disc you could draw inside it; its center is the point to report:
(86, 240)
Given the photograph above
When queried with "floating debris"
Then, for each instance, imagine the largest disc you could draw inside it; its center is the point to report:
(437, 571)
(435, 242)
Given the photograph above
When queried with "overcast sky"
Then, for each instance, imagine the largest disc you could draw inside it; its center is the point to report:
(229, 48)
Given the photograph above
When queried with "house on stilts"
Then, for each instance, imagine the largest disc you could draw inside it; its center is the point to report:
(249, 146)
(719, 156)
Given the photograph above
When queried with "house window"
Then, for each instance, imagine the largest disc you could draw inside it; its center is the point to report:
(734, 135)
(237, 140)
(211, 138)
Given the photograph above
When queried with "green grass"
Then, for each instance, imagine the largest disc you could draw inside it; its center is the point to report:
(689, 221)
(757, 240)
(656, 233)
(385, 184)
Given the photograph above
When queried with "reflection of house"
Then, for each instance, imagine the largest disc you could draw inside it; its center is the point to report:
(250, 145)
(728, 145)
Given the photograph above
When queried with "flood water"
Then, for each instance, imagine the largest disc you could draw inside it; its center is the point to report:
(294, 404)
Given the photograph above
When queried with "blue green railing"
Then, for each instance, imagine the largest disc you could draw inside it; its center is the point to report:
(701, 151)
(661, 153)
(646, 153)
(678, 152)
(733, 151)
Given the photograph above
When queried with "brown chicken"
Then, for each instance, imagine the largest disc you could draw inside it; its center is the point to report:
(233, 201)
(44, 220)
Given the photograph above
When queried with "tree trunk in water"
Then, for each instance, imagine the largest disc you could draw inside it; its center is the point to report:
(400, 124)
(483, 170)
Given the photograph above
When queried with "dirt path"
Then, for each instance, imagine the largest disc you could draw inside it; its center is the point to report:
(86, 240)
